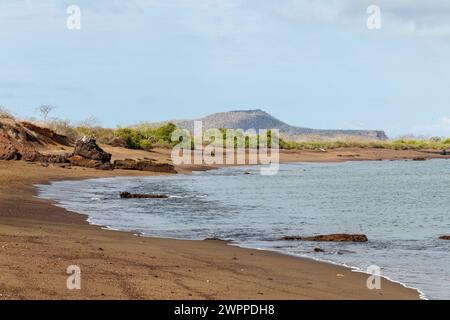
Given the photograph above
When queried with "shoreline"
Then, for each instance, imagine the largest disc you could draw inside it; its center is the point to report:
(421, 294)
(355, 269)
(23, 216)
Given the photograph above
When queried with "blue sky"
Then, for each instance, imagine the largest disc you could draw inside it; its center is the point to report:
(310, 63)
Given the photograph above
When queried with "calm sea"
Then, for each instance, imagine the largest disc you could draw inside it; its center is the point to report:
(402, 206)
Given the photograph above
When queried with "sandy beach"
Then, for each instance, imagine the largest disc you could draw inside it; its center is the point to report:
(38, 241)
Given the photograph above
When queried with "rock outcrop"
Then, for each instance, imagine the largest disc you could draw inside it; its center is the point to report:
(89, 149)
(47, 135)
(87, 153)
(35, 156)
(144, 165)
(80, 161)
(24, 141)
(331, 238)
(8, 151)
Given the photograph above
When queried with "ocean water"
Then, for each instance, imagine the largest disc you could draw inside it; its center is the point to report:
(402, 206)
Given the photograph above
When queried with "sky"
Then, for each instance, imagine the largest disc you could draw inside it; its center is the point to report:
(311, 63)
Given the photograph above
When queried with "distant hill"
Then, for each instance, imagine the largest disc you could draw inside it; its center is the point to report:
(259, 119)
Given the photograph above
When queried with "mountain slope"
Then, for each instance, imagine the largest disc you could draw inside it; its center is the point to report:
(258, 119)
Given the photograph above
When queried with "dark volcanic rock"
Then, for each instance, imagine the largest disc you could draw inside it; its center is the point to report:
(89, 149)
(331, 237)
(34, 156)
(144, 165)
(105, 166)
(80, 161)
(9, 152)
(59, 158)
(127, 195)
(127, 164)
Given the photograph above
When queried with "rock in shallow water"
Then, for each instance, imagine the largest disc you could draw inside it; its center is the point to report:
(127, 195)
(445, 238)
(331, 238)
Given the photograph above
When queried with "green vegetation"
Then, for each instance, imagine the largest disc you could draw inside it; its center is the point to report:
(434, 143)
(400, 144)
(254, 140)
(143, 136)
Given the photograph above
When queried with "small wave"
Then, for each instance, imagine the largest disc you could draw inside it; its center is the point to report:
(188, 196)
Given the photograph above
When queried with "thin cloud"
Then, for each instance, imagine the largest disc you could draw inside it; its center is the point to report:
(440, 128)
(412, 17)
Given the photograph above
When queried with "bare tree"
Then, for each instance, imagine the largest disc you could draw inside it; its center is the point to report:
(44, 110)
(90, 122)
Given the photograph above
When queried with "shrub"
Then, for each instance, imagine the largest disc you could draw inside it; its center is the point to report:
(145, 136)
(131, 137)
(63, 127)
(102, 135)
(5, 113)
(145, 144)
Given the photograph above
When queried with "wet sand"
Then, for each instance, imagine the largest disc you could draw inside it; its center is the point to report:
(38, 241)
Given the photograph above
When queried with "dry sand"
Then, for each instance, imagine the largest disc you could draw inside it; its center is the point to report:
(38, 241)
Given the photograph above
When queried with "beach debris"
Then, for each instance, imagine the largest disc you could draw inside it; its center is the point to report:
(330, 238)
(127, 195)
(247, 172)
(318, 250)
(419, 159)
(340, 275)
(144, 165)
(444, 237)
